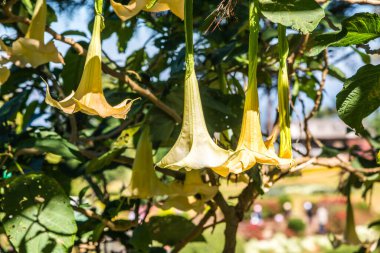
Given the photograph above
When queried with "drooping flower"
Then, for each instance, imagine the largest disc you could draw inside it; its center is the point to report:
(4, 75)
(144, 181)
(194, 148)
(191, 194)
(32, 48)
(89, 97)
(251, 148)
(125, 12)
(283, 96)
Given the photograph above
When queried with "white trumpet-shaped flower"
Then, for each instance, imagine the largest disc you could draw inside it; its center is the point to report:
(251, 148)
(32, 49)
(194, 148)
(89, 97)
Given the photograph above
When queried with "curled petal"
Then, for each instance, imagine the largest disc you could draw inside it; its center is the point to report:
(4, 75)
(125, 12)
(89, 97)
(175, 6)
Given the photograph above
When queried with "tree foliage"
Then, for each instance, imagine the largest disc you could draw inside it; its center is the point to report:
(55, 163)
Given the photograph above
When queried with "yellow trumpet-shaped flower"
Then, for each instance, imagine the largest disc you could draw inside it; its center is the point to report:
(4, 75)
(125, 12)
(32, 49)
(194, 148)
(89, 97)
(251, 148)
(283, 96)
(144, 181)
(191, 194)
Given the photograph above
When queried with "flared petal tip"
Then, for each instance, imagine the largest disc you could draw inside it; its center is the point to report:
(238, 162)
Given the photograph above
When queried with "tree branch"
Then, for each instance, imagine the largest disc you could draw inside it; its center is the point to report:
(111, 225)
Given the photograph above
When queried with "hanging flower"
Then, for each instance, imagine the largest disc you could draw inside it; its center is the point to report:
(32, 49)
(89, 97)
(4, 75)
(125, 12)
(144, 181)
(192, 194)
(251, 148)
(283, 96)
(194, 148)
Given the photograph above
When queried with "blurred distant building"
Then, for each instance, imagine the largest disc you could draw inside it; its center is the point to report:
(331, 131)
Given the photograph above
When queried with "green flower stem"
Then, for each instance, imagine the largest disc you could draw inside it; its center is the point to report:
(252, 51)
(283, 95)
(189, 36)
(99, 7)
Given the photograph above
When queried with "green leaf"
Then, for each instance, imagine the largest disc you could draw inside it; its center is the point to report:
(141, 238)
(51, 142)
(72, 72)
(170, 229)
(358, 29)
(104, 160)
(38, 216)
(28, 114)
(337, 73)
(302, 15)
(11, 107)
(359, 97)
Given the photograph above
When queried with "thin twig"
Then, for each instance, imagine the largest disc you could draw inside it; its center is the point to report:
(111, 225)
(317, 102)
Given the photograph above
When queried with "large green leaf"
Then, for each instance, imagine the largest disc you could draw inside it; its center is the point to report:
(170, 229)
(38, 216)
(11, 107)
(359, 97)
(358, 29)
(99, 163)
(302, 15)
(51, 142)
(72, 72)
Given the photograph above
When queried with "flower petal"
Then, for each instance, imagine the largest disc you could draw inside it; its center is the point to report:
(89, 97)
(125, 12)
(144, 181)
(4, 75)
(175, 6)
(32, 51)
